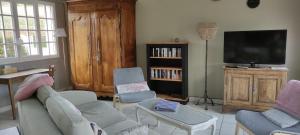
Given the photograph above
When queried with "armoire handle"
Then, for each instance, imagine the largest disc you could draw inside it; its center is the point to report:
(98, 51)
(90, 48)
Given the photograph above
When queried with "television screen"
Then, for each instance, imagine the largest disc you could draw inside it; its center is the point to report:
(257, 47)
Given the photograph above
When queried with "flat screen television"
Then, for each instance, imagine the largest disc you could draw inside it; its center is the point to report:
(255, 47)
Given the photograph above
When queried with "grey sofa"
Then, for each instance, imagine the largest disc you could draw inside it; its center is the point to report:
(35, 119)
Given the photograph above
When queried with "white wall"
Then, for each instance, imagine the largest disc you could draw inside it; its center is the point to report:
(165, 19)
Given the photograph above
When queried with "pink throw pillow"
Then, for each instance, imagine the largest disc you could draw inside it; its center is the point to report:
(31, 84)
(288, 99)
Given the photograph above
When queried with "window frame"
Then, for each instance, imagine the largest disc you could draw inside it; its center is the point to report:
(18, 58)
(13, 29)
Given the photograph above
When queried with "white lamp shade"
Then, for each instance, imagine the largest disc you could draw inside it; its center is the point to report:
(60, 32)
(207, 30)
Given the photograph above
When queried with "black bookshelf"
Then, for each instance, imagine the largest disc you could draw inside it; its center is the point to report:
(167, 70)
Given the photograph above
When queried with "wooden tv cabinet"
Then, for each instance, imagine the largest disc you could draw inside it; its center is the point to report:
(252, 88)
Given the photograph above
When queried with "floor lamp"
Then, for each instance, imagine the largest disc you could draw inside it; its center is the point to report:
(61, 33)
(207, 32)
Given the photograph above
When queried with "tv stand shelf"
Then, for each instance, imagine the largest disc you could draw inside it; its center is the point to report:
(257, 68)
(252, 88)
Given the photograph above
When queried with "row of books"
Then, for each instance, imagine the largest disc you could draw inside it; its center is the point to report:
(170, 74)
(166, 52)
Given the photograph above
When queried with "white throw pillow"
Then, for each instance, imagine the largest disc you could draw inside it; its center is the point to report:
(132, 87)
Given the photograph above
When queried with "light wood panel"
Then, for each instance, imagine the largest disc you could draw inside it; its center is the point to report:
(80, 49)
(266, 89)
(239, 90)
(109, 44)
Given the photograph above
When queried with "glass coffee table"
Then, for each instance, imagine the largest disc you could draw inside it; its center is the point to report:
(185, 117)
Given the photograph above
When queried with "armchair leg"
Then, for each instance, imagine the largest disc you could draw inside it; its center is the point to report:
(115, 100)
(240, 126)
(237, 129)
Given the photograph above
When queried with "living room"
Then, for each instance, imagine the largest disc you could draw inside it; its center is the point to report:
(149, 22)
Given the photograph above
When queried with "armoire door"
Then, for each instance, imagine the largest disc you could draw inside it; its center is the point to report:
(239, 89)
(107, 54)
(80, 50)
(266, 88)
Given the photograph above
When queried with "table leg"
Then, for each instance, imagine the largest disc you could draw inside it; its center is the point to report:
(12, 99)
(137, 115)
(214, 128)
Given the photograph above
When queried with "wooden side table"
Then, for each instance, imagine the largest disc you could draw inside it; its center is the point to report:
(8, 80)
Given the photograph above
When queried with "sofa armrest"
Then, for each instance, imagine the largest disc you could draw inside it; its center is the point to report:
(79, 97)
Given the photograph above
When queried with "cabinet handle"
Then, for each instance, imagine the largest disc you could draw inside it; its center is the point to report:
(90, 48)
(98, 57)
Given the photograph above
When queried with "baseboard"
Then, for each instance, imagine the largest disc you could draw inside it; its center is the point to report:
(5, 108)
(196, 99)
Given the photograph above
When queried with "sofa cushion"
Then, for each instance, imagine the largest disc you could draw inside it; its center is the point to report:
(259, 124)
(44, 92)
(77, 97)
(117, 128)
(31, 84)
(288, 99)
(137, 130)
(101, 113)
(67, 117)
(136, 96)
(280, 118)
(33, 117)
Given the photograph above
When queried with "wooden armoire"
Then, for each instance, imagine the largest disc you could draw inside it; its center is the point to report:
(101, 38)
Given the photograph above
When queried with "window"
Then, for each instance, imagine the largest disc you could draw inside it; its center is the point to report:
(28, 41)
(46, 19)
(7, 31)
(26, 30)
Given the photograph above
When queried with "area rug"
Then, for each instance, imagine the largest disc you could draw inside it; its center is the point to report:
(9, 131)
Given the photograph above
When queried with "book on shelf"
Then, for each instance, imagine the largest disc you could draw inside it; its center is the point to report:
(173, 52)
(179, 52)
(153, 52)
(166, 52)
(168, 74)
(169, 52)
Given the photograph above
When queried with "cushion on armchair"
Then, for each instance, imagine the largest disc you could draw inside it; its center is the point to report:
(136, 96)
(259, 124)
(288, 99)
(280, 118)
(132, 87)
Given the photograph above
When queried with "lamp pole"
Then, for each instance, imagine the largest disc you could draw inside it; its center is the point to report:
(207, 31)
(205, 80)
(205, 86)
